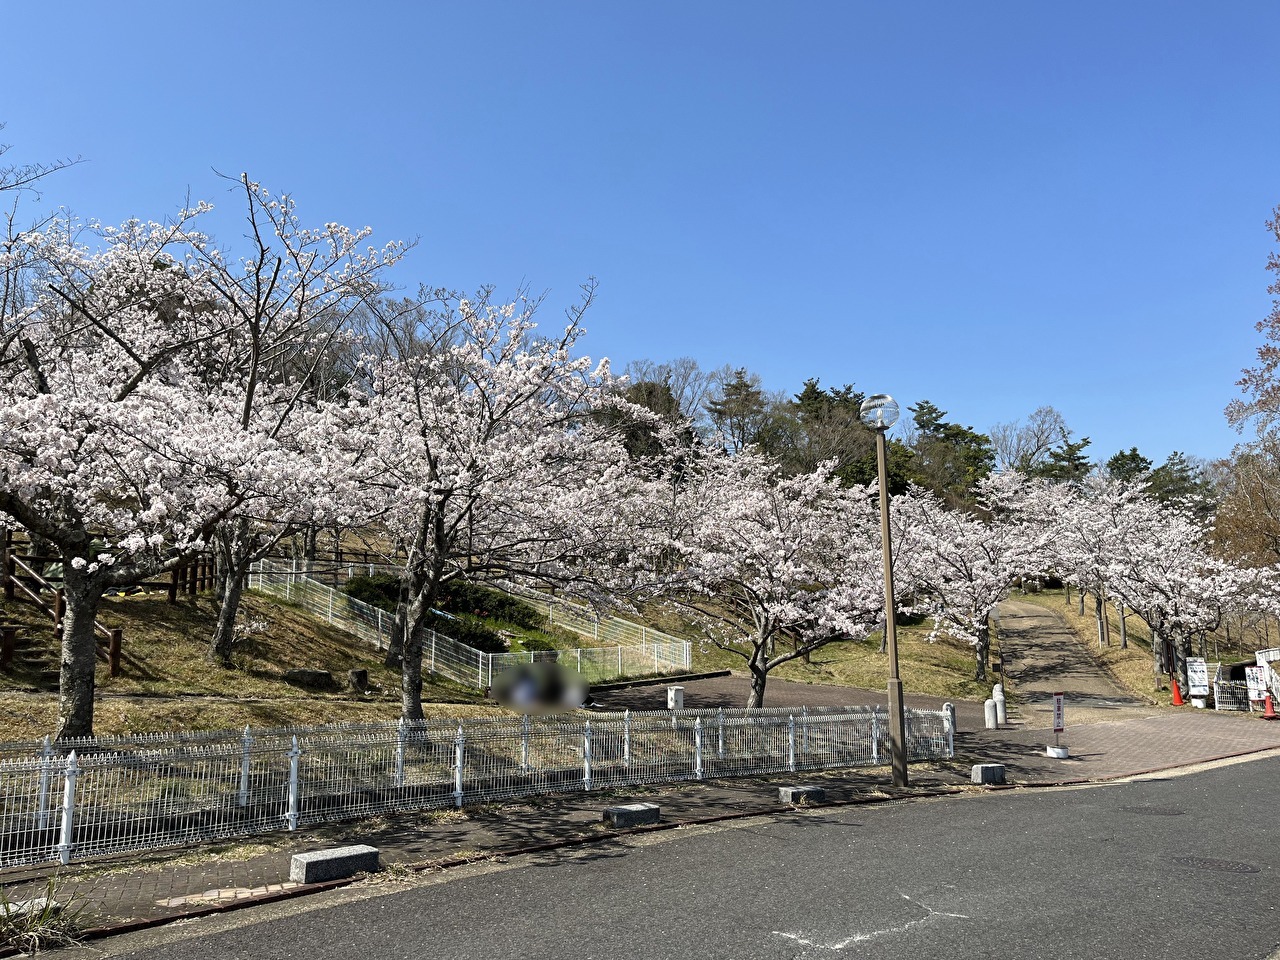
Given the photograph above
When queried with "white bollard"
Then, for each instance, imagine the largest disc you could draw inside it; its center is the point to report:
(989, 708)
(997, 694)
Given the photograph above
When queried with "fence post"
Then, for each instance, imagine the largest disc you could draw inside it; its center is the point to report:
(291, 815)
(173, 585)
(720, 732)
(626, 738)
(524, 744)
(331, 606)
(378, 645)
(875, 738)
(791, 743)
(697, 747)
(459, 745)
(804, 730)
(67, 834)
(586, 756)
(579, 653)
(113, 651)
(655, 658)
(400, 753)
(950, 710)
(288, 580)
(46, 771)
(246, 745)
(619, 659)
(480, 669)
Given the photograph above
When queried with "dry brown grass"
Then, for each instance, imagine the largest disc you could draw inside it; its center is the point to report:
(942, 668)
(166, 682)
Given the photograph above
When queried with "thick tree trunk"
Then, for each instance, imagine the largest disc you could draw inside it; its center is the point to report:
(75, 684)
(415, 634)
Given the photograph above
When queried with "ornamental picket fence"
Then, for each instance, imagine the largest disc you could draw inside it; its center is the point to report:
(62, 806)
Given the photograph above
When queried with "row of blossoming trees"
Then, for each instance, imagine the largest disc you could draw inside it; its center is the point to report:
(160, 397)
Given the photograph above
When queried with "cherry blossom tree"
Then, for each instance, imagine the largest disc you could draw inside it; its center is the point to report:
(483, 459)
(1164, 572)
(139, 409)
(969, 564)
(757, 558)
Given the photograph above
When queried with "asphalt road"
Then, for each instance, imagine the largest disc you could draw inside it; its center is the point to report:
(1170, 867)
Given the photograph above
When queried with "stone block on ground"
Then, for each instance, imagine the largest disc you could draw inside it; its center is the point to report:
(987, 773)
(309, 678)
(801, 794)
(335, 864)
(632, 814)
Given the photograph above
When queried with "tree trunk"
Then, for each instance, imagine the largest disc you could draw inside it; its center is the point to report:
(75, 684)
(1100, 612)
(759, 667)
(415, 634)
(1124, 629)
(982, 649)
(758, 678)
(1080, 598)
(224, 634)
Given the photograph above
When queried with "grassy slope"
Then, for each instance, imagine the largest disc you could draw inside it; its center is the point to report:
(942, 668)
(166, 683)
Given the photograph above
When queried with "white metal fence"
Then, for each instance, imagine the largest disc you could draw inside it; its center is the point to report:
(458, 661)
(124, 794)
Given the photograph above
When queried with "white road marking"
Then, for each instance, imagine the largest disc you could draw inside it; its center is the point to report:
(930, 914)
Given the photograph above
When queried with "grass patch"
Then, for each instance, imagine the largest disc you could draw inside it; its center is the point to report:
(166, 682)
(941, 668)
(41, 922)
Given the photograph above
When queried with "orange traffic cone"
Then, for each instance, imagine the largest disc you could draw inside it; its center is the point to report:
(1269, 713)
(1177, 695)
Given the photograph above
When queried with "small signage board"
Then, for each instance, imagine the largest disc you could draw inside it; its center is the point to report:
(1197, 677)
(1256, 678)
(1059, 713)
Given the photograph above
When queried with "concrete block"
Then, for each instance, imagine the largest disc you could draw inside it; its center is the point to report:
(632, 814)
(34, 907)
(987, 773)
(335, 864)
(675, 698)
(801, 795)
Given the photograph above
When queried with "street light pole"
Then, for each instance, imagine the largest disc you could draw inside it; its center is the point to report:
(880, 412)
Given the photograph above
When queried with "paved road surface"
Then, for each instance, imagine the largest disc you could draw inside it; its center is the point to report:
(1176, 867)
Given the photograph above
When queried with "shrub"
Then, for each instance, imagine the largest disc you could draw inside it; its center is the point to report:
(458, 597)
(43, 922)
(381, 590)
(467, 630)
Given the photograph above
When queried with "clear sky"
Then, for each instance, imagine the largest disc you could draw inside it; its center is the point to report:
(990, 205)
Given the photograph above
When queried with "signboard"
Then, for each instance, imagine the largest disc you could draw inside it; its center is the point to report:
(1256, 678)
(1059, 713)
(1197, 677)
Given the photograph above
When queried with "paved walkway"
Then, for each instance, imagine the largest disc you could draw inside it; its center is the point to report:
(1127, 738)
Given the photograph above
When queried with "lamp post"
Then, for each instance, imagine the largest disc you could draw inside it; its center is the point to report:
(880, 412)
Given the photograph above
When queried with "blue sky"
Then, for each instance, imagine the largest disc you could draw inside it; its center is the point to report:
(992, 206)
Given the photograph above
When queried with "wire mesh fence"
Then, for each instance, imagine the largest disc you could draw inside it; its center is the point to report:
(120, 795)
(648, 652)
